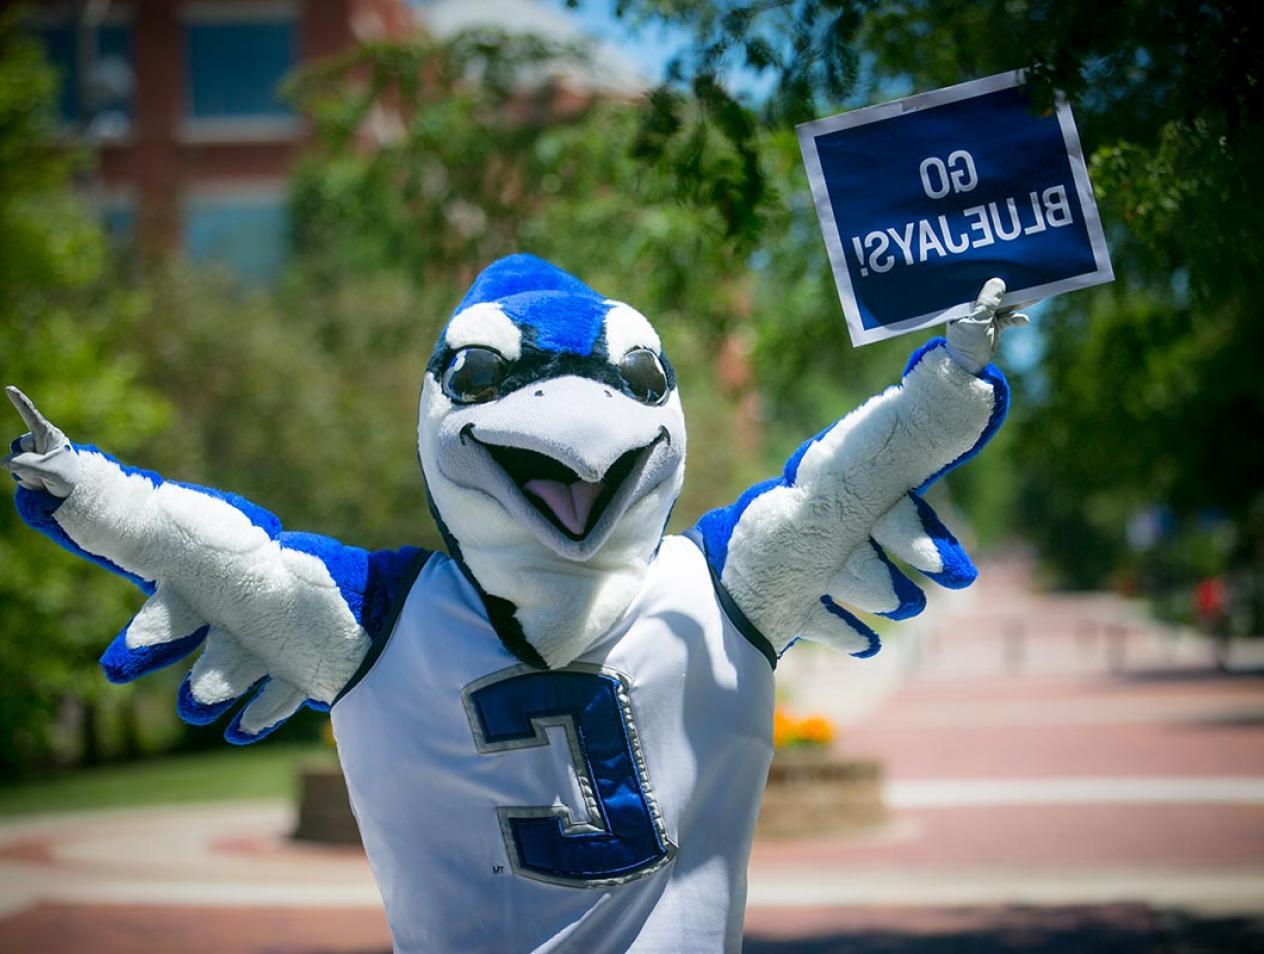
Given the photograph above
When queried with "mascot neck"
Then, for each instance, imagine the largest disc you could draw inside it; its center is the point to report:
(558, 607)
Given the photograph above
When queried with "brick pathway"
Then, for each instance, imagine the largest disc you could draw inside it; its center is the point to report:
(1061, 777)
(1106, 929)
(102, 928)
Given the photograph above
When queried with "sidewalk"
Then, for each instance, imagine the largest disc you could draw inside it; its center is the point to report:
(1062, 777)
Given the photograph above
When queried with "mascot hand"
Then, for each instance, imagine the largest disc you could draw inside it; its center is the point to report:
(42, 459)
(972, 341)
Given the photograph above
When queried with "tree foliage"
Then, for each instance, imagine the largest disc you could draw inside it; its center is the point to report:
(1147, 391)
(60, 321)
(289, 397)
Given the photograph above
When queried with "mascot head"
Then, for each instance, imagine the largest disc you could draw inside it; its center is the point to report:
(553, 445)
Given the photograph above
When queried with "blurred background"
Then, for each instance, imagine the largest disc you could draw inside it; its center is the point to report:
(231, 229)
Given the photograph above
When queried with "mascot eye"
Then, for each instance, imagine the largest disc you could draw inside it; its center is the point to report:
(643, 373)
(474, 376)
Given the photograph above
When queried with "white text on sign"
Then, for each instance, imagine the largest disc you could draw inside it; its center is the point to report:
(953, 233)
(956, 174)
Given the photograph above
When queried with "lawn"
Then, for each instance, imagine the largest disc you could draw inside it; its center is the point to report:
(262, 771)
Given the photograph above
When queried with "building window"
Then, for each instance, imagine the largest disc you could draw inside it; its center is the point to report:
(112, 82)
(235, 68)
(246, 234)
(118, 218)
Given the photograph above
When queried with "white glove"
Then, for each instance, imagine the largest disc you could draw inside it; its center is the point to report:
(45, 460)
(972, 341)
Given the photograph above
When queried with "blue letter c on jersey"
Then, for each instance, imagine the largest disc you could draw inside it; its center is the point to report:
(623, 837)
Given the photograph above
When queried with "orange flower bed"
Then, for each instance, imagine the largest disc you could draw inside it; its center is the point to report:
(789, 730)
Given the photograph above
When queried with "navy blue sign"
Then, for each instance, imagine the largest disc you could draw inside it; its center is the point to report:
(924, 199)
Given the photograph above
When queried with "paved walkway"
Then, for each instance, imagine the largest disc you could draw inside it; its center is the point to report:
(1061, 777)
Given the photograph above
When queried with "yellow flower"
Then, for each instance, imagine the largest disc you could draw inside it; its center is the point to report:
(782, 728)
(790, 730)
(816, 730)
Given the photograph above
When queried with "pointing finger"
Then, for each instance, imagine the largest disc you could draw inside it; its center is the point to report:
(31, 416)
(47, 437)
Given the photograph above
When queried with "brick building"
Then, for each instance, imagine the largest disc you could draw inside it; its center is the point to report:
(180, 97)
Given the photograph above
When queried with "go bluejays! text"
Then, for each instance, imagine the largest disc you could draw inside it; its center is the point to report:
(959, 230)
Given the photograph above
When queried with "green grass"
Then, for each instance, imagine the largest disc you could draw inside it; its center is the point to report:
(261, 771)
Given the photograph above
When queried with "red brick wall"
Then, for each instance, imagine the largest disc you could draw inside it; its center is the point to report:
(151, 162)
(324, 28)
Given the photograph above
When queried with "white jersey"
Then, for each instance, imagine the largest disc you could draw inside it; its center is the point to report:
(605, 806)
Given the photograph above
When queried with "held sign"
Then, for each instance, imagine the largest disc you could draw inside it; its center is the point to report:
(924, 199)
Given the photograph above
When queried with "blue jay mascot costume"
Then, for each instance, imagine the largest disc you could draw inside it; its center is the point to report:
(555, 735)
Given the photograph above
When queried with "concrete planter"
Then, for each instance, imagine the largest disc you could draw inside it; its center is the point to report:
(812, 791)
(324, 810)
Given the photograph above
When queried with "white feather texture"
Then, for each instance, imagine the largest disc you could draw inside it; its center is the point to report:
(486, 325)
(223, 671)
(277, 701)
(627, 328)
(864, 582)
(271, 609)
(901, 533)
(163, 618)
(794, 544)
(821, 626)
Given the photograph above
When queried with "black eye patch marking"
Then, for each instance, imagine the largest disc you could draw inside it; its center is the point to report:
(649, 378)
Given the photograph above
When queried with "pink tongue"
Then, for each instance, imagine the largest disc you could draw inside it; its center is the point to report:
(571, 503)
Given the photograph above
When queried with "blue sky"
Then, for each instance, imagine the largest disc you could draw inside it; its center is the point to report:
(646, 47)
(649, 46)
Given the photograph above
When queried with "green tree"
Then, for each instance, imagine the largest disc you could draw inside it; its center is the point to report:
(1148, 387)
(60, 325)
(1147, 391)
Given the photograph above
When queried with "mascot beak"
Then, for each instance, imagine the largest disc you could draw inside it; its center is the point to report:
(565, 456)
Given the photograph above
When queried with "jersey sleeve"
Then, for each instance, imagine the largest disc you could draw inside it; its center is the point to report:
(282, 618)
(799, 552)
